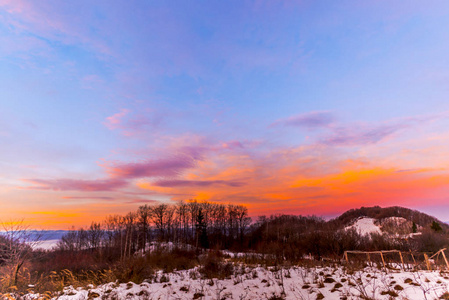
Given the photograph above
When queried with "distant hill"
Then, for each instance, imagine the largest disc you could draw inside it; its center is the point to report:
(376, 212)
(46, 235)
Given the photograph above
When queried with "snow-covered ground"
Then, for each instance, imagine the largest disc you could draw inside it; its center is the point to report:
(46, 244)
(365, 226)
(261, 283)
(397, 220)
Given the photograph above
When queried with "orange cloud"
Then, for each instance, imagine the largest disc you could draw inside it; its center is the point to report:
(307, 179)
(325, 187)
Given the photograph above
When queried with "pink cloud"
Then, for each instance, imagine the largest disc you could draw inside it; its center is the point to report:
(119, 175)
(232, 145)
(132, 124)
(139, 201)
(361, 135)
(133, 200)
(114, 121)
(87, 197)
(314, 119)
(197, 183)
(77, 184)
(52, 21)
(152, 168)
(140, 123)
(15, 6)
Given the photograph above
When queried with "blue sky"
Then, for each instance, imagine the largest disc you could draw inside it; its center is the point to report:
(308, 107)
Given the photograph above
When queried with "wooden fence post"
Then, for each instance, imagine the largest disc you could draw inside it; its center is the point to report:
(444, 256)
(383, 261)
(413, 257)
(427, 261)
(402, 260)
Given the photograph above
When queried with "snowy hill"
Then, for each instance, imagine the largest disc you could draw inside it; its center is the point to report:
(401, 216)
(395, 227)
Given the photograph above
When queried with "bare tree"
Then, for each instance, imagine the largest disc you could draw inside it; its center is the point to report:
(68, 241)
(143, 215)
(16, 246)
(95, 235)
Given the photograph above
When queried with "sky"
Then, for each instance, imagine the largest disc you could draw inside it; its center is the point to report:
(295, 107)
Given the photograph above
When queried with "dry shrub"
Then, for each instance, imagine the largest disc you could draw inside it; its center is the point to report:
(135, 270)
(61, 268)
(214, 266)
(56, 281)
(140, 268)
(7, 279)
(168, 261)
(75, 261)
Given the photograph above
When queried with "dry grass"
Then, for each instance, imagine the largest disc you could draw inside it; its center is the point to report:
(38, 277)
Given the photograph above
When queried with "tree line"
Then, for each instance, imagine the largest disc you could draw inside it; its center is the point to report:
(175, 236)
(193, 223)
(201, 225)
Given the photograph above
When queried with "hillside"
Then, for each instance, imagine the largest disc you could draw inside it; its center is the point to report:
(199, 236)
(376, 212)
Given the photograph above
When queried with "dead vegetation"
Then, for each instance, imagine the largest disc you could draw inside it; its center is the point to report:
(191, 236)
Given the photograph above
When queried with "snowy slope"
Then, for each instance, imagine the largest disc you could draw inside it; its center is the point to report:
(261, 283)
(365, 226)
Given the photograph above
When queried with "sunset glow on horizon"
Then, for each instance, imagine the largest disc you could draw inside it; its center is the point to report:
(295, 107)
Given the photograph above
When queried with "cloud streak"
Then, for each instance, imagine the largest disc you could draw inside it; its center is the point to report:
(132, 124)
(361, 135)
(87, 198)
(310, 120)
(120, 175)
(115, 121)
(197, 183)
(167, 167)
(97, 185)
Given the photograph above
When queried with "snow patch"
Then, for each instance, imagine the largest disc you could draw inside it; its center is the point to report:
(397, 220)
(365, 226)
(45, 245)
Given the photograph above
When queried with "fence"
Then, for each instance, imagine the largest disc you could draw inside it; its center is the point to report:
(403, 259)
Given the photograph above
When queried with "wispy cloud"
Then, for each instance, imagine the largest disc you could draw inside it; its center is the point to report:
(116, 120)
(197, 183)
(141, 201)
(310, 120)
(87, 198)
(119, 175)
(91, 81)
(53, 22)
(132, 124)
(358, 134)
(77, 185)
(172, 166)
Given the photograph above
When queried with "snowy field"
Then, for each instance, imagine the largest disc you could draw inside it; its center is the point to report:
(261, 283)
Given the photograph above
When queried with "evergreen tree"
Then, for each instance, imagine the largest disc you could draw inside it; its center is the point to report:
(201, 231)
(414, 228)
(436, 226)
